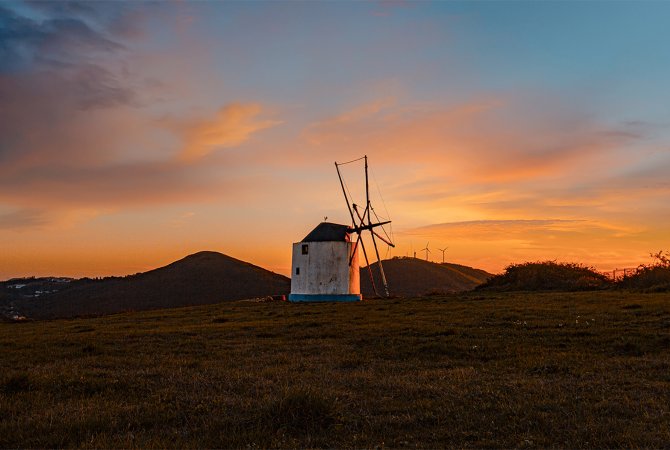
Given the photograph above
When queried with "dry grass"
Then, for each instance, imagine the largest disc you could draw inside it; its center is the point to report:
(478, 370)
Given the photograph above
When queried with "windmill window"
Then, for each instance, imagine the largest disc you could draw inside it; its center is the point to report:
(297, 270)
(305, 249)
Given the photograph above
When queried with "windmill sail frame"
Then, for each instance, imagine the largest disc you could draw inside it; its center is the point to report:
(360, 225)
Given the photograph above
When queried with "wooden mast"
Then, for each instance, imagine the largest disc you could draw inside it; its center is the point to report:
(372, 234)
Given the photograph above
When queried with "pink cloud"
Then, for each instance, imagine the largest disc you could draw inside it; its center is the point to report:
(231, 126)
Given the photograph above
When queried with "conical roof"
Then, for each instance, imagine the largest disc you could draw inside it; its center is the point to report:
(326, 231)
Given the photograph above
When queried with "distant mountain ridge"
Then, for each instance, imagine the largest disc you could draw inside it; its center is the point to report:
(210, 277)
(201, 278)
(413, 277)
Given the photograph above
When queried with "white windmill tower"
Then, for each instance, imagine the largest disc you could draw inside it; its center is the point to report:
(325, 263)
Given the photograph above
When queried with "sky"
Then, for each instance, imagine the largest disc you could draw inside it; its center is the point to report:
(133, 134)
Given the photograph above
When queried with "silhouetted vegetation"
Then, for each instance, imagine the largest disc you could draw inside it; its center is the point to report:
(14, 383)
(547, 276)
(654, 277)
(299, 412)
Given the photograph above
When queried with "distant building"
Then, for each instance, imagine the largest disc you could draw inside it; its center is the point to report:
(325, 266)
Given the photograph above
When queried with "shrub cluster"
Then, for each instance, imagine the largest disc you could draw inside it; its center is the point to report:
(653, 277)
(300, 412)
(547, 276)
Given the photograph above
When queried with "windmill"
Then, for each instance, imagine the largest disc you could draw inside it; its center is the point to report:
(443, 250)
(362, 221)
(426, 250)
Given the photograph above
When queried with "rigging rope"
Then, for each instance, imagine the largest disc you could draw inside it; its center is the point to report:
(374, 179)
(349, 162)
(351, 198)
(346, 186)
(390, 237)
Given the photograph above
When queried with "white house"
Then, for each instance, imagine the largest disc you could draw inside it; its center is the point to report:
(325, 266)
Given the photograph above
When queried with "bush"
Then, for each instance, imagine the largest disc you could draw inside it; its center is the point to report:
(654, 277)
(300, 412)
(16, 383)
(547, 276)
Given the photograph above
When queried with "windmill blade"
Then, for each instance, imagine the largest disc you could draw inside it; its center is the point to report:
(354, 250)
(362, 218)
(367, 263)
(363, 221)
(389, 243)
(368, 227)
(379, 262)
(344, 191)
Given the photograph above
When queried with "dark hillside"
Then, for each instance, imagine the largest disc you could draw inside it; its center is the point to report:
(411, 277)
(198, 279)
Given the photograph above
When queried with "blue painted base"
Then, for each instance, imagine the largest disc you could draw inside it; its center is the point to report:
(324, 297)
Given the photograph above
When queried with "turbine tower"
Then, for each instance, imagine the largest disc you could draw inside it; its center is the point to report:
(426, 250)
(443, 250)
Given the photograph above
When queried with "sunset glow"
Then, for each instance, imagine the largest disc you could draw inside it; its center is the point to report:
(133, 134)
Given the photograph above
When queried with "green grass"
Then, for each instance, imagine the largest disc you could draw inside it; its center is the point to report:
(572, 370)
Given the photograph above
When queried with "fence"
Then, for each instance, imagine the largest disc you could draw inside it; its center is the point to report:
(618, 274)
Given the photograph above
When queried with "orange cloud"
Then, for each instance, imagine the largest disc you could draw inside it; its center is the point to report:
(529, 230)
(231, 126)
(520, 155)
(21, 219)
(490, 160)
(330, 129)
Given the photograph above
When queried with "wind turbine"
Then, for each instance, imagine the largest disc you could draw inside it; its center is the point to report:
(443, 250)
(426, 249)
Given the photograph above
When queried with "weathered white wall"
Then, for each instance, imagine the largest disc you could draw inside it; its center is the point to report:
(325, 269)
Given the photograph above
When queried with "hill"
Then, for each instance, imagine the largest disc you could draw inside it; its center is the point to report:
(201, 278)
(411, 277)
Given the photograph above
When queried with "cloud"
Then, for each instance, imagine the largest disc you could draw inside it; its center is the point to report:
(55, 41)
(483, 140)
(330, 129)
(513, 155)
(22, 219)
(72, 115)
(76, 132)
(231, 126)
(516, 229)
(52, 70)
(129, 184)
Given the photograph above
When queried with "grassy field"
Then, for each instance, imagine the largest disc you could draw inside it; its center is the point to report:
(578, 370)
